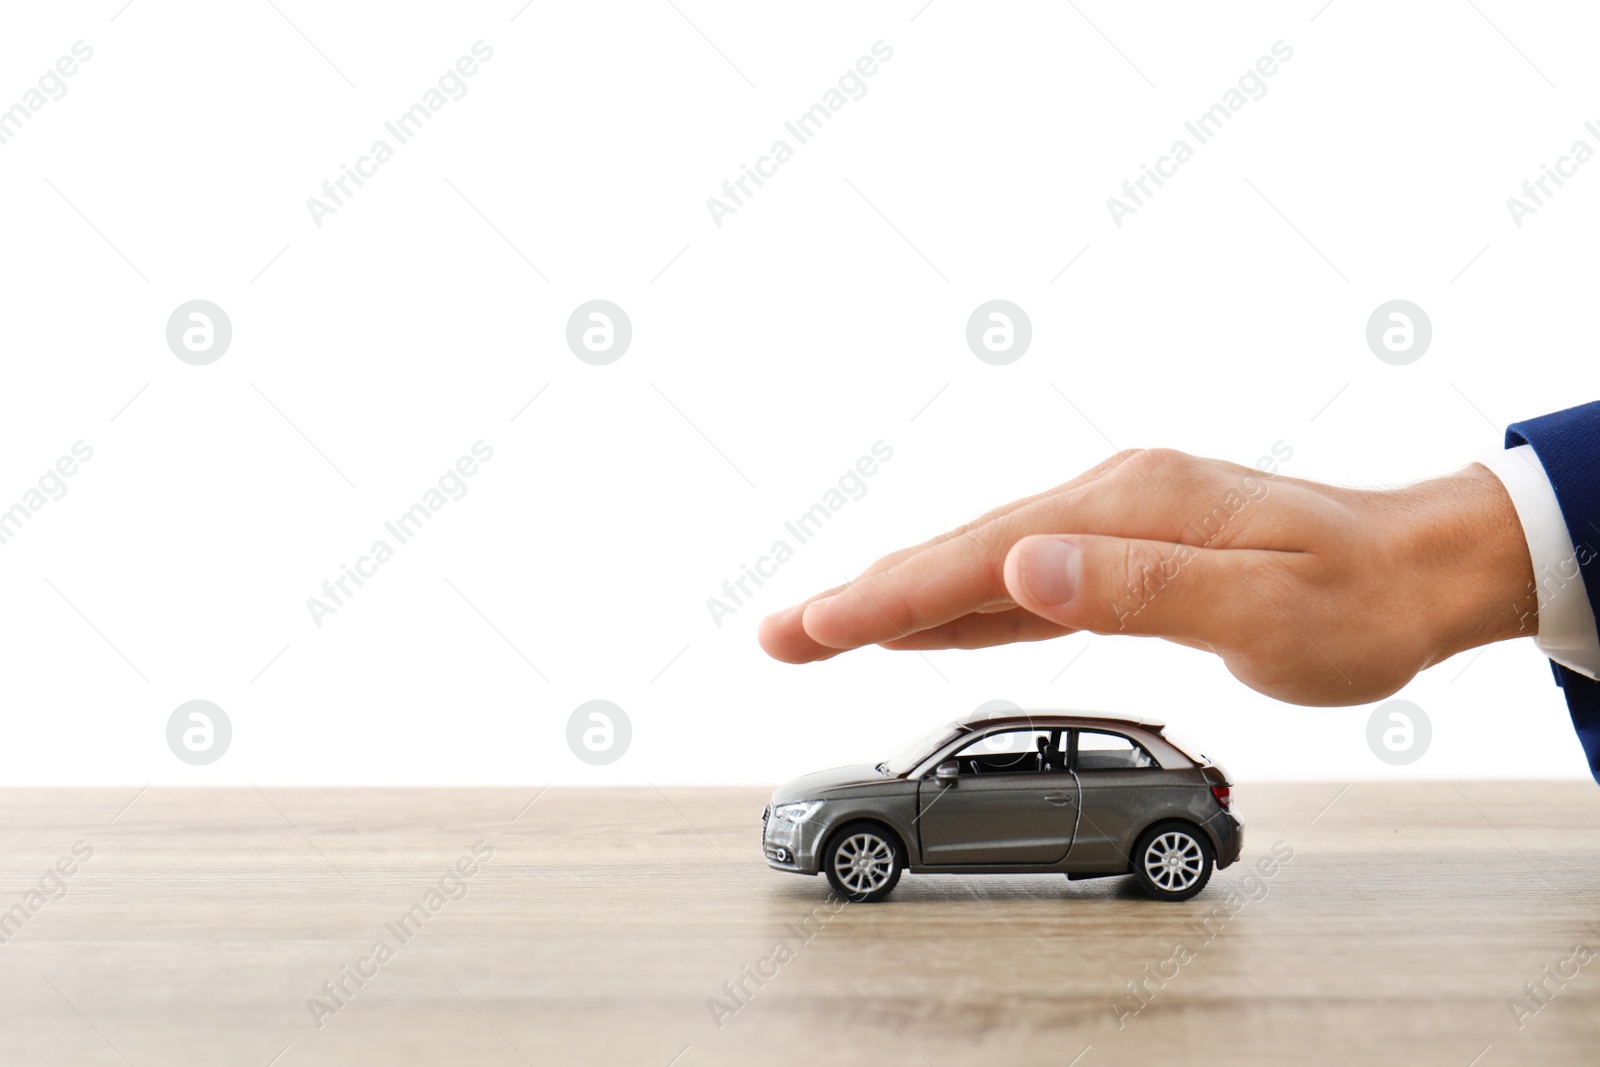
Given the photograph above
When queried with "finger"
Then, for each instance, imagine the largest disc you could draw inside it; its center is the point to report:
(952, 579)
(784, 639)
(782, 635)
(984, 630)
(1124, 460)
(1165, 495)
(1138, 586)
(1159, 496)
(980, 630)
(987, 517)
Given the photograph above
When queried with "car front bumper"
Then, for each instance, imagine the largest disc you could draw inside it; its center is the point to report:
(789, 846)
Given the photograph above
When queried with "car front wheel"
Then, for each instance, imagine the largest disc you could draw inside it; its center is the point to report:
(1173, 861)
(863, 862)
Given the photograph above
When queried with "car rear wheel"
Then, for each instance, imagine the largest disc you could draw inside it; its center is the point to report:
(1173, 861)
(863, 862)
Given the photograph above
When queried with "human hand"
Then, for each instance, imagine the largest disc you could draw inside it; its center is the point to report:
(1310, 593)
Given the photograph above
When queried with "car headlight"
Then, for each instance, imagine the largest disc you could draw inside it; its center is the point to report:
(798, 812)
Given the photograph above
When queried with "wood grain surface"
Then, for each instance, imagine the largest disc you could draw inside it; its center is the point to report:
(616, 926)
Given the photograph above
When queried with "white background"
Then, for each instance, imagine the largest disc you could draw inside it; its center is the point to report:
(822, 317)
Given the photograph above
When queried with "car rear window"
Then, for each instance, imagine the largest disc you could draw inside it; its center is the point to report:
(1111, 752)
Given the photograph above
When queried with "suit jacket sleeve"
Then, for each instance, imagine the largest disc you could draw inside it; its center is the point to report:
(1567, 444)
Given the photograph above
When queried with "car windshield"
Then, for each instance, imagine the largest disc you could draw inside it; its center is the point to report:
(908, 757)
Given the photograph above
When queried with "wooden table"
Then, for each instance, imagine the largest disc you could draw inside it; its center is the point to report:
(606, 922)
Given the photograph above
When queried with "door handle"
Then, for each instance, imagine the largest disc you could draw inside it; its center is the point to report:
(1058, 798)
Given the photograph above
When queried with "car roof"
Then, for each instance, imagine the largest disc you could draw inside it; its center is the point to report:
(1059, 717)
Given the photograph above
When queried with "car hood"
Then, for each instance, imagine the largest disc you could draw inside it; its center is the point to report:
(820, 785)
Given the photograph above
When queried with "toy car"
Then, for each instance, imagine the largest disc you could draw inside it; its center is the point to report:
(1008, 793)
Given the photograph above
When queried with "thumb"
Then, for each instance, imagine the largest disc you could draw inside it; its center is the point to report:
(1112, 585)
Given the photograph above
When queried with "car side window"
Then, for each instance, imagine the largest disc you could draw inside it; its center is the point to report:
(1110, 752)
(1013, 752)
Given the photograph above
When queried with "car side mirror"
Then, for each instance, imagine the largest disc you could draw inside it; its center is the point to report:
(947, 772)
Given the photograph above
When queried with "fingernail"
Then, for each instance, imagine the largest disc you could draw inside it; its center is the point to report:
(1052, 571)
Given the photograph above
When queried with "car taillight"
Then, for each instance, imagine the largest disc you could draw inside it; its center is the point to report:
(1224, 796)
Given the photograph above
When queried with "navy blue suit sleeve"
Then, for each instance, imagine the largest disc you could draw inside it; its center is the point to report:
(1568, 446)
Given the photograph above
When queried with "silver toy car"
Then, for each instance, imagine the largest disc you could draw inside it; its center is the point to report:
(1010, 793)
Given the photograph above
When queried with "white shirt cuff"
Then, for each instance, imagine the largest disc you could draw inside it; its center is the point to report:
(1566, 619)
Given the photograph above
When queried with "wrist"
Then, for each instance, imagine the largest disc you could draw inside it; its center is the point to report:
(1465, 546)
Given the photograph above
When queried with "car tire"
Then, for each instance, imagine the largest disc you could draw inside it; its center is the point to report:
(1173, 861)
(863, 861)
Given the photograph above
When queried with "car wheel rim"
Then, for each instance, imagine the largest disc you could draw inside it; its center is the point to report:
(1174, 861)
(864, 862)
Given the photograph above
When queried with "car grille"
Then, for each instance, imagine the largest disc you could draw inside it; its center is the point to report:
(766, 813)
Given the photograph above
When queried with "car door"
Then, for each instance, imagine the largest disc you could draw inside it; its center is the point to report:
(1116, 780)
(1015, 815)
